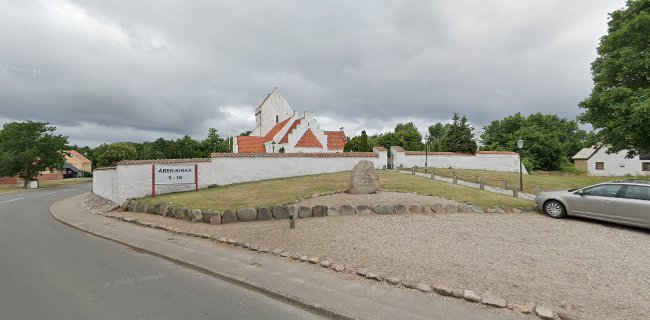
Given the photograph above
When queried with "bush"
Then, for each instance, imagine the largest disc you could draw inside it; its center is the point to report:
(567, 167)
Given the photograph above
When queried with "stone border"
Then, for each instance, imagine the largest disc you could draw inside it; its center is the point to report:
(486, 298)
(288, 211)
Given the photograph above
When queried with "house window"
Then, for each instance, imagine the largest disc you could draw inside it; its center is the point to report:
(277, 119)
(600, 166)
(645, 166)
(644, 157)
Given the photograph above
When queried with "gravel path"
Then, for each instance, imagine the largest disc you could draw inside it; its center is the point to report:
(593, 270)
(379, 198)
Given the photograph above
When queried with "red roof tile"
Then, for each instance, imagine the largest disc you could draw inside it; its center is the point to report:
(269, 136)
(256, 144)
(309, 140)
(299, 155)
(496, 152)
(250, 144)
(421, 153)
(335, 140)
(285, 139)
(162, 161)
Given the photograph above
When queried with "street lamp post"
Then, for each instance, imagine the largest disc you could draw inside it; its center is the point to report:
(426, 153)
(520, 145)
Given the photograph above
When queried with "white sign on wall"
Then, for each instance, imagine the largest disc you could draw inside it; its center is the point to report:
(174, 174)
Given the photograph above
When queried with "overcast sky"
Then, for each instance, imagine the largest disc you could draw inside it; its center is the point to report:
(106, 71)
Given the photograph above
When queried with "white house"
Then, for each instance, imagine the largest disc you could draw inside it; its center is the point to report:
(279, 127)
(596, 162)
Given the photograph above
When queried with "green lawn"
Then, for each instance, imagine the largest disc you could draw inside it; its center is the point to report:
(45, 184)
(547, 180)
(279, 191)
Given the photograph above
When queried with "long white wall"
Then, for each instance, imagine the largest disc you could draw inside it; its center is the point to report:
(133, 180)
(505, 162)
(615, 164)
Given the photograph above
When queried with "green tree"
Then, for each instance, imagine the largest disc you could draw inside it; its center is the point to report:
(436, 132)
(408, 137)
(27, 148)
(109, 155)
(619, 104)
(458, 136)
(359, 143)
(549, 141)
(213, 143)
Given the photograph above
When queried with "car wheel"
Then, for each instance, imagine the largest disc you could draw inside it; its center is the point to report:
(554, 209)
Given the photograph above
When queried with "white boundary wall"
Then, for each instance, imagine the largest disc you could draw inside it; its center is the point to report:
(502, 161)
(132, 179)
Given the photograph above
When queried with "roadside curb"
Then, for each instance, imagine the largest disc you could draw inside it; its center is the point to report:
(310, 307)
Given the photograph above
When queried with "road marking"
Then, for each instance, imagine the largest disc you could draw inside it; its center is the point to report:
(11, 200)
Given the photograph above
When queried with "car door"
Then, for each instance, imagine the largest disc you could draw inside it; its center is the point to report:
(598, 201)
(633, 206)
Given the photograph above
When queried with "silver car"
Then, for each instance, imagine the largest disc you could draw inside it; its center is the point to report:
(625, 202)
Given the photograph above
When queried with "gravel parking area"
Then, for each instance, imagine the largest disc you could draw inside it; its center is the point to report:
(590, 269)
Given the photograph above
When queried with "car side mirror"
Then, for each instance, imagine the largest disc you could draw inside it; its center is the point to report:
(580, 193)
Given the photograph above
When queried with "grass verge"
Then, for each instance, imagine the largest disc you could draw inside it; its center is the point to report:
(45, 184)
(279, 191)
(547, 180)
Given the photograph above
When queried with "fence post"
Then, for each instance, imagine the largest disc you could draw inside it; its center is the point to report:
(505, 184)
(414, 169)
(515, 192)
(453, 175)
(482, 184)
(433, 173)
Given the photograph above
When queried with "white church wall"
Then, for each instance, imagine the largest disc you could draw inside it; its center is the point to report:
(275, 105)
(480, 161)
(133, 180)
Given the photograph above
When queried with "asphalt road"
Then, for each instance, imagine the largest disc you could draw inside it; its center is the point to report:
(51, 271)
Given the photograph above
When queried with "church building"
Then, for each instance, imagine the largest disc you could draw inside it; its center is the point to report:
(281, 129)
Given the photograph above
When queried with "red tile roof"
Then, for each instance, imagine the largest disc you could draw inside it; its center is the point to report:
(285, 139)
(250, 144)
(397, 148)
(162, 161)
(256, 144)
(75, 154)
(335, 140)
(269, 136)
(309, 140)
(496, 152)
(299, 155)
(421, 153)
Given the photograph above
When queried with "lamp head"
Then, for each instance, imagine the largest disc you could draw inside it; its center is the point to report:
(520, 143)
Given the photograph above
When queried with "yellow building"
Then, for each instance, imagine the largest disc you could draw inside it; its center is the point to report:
(78, 161)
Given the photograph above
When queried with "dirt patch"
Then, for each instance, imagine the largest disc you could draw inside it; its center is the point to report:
(594, 270)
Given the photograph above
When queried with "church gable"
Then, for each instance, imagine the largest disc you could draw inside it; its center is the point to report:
(309, 140)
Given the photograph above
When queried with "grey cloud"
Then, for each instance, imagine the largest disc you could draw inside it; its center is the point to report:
(169, 68)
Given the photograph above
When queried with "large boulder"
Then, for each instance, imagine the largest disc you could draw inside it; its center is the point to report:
(228, 216)
(304, 212)
(264, 213)
(247, 214)
(196, 215)
(364, 178)
(383, 209)
(280, 212)
(319, 211)
(347, 209)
